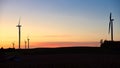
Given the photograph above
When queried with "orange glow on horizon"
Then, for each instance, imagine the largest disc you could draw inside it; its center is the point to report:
(55, 44)
(66, 44)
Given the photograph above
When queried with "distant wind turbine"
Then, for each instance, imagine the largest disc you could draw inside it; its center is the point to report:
(19, 32)
(13, 44)
(25, 43)
(111, 26)
(28, 41)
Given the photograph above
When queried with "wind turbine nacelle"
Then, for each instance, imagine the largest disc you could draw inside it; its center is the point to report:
(112, 19)
(18, 26)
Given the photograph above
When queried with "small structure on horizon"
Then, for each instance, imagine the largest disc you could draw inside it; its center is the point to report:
(13, 45)
(25, 43)
(28, 42)
(110, 44)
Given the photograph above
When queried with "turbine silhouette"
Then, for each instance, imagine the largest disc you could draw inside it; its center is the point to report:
(28, 41)
(111, 26)
(19, 33)
(13, 44)
(25, 43)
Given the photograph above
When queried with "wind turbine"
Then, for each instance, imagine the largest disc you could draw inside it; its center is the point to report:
(28, 41)
(13, 44)
(111, 26)
(25, 43)
(19, 32)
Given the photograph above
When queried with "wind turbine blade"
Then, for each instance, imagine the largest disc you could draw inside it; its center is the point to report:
(109, 27)
(110, 16)
(19, 21)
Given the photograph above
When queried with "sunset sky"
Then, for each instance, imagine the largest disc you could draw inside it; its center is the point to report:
(58, 23)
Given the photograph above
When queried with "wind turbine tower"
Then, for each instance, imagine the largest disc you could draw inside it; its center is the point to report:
(25, 44)
(19, 33)
(28, 42)
(111, 26)
(13, 44)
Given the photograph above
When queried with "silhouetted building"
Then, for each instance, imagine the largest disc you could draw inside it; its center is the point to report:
(110, 44)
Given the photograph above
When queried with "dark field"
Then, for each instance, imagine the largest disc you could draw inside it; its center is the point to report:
(71, 57)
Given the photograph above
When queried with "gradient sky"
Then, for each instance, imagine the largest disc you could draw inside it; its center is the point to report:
(57, 21)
